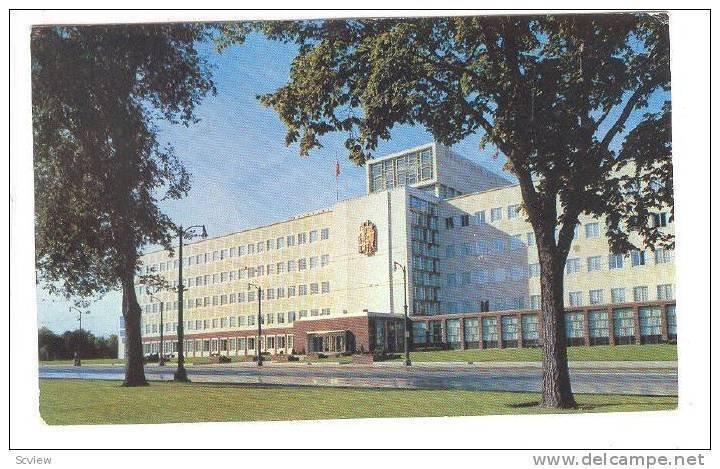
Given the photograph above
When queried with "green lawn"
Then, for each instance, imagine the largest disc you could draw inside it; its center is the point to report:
(665, 352)
(596, 353)
(75, 402)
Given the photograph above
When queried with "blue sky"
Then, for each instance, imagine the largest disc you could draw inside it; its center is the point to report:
(242, 173)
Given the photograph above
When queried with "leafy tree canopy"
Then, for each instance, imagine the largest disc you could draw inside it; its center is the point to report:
(556, 94)
(97, 93)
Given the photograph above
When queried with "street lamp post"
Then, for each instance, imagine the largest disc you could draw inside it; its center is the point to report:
(259, 321)
(181, 373)
(406, 334)
(77, 361)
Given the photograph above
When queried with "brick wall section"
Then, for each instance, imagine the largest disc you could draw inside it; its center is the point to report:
(357, 325)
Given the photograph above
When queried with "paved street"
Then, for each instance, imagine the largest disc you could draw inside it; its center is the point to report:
(603, 379)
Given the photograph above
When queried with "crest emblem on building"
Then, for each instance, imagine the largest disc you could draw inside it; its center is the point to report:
(367, 241)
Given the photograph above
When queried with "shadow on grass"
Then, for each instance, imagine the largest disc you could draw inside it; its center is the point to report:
(591, 407)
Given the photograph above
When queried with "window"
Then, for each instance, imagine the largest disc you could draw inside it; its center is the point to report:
(592, 230)
(291, 266)
(640, 293)
(617, 295)
(251, 249)
(241, 250)
(512, 211)
(270, 293)
(291, 291)
(516, 242)
(575, 328)
(663, 256)
(260, 246)
(496, 214)
(572, 266)
(313, 236)
(624, 326)
(449, 223)
(302, 264)
(270, 268)
(314, 289)
(534, 270)
(596, 297)
(325, 233)
(325, 312)
(615, 261)
(671, 322)
(260, 270)
(594, 263)
(490, 332)
(280, 242)
(314, 312)
(313, 262)
(531, 238)
(534, 301)
(453, 332)
(324, 260)
(509, 331)
(449, 251)
(281, 318)
(598, 326)
(302, 313)
(419, 332)
(464, 220)
(302, 290)
(637, 258)
(280, 267)
(575, 298)
(291, 316)
(665, 292)
(480, 217)
(659, 220)
(325, 287)
(650, 325)
(290, 239)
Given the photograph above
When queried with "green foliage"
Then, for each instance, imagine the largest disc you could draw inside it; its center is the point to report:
(52, 346)
(555, 94)
(98, 92)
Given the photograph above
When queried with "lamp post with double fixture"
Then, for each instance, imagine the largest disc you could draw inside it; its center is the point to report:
(406, 334)
(183, 233)
(77, 360)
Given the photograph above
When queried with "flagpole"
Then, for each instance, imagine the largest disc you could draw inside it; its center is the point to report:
(337, 179)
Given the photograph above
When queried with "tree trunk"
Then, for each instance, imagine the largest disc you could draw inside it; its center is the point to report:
(134, 366)
(556, 390)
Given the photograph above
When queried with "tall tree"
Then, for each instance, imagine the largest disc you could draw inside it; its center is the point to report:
(563, 97)
(97, 95)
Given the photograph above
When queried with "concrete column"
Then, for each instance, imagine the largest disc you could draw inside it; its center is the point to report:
(519, 331)
(636, 324)
(499, 331)
(663, 322)
(481, 343)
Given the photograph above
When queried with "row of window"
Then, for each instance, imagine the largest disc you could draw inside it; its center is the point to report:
(618, 295)
(233, 344)
(623, 329)
(242, 297)
(575, 298)
(247, 320)
(242, 250)
(251, 272)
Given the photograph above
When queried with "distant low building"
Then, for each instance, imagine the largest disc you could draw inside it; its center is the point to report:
(328, 284)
